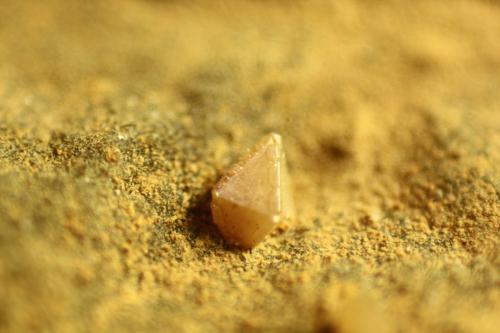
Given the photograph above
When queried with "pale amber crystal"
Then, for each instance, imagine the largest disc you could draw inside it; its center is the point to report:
(254, 196)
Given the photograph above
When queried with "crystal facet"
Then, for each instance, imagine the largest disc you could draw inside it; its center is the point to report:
(254, 195)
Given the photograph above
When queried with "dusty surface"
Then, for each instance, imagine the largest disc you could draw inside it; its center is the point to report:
(117, 117)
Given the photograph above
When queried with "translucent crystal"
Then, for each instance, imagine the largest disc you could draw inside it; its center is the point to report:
(254, 195)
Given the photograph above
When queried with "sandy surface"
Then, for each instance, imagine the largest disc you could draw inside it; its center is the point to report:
(117, 117)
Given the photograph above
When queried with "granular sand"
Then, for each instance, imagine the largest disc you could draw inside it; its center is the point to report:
(117, 117)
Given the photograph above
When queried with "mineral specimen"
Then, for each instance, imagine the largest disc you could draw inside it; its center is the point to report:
(254, 196)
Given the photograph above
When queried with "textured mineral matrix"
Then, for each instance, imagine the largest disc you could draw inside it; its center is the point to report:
(254, 196)
(116, 117)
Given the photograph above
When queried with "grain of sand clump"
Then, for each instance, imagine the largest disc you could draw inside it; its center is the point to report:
(117, 117)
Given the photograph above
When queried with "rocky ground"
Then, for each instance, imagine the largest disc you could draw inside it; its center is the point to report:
(117, 117)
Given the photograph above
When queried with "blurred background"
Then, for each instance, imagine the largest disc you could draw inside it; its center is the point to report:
(117, 117)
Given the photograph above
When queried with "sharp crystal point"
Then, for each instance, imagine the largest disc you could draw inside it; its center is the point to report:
(254, 195)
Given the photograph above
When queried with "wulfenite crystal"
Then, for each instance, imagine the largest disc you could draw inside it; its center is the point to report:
(254, 196)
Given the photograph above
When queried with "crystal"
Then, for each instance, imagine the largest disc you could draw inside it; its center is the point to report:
(254, 196)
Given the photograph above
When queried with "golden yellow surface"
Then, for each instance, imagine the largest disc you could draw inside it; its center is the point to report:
(117, 117)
